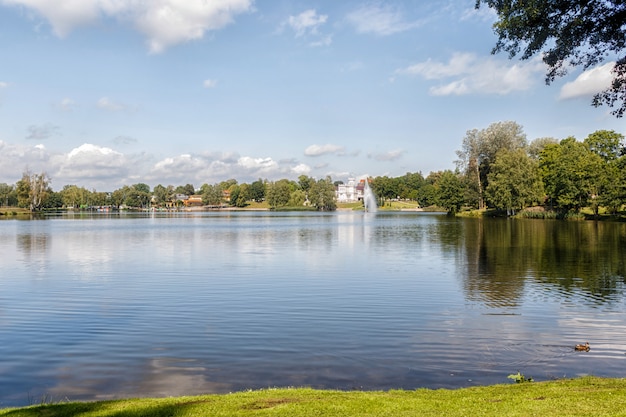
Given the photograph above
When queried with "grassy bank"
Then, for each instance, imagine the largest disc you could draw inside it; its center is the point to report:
(587, 396)
(13, 211)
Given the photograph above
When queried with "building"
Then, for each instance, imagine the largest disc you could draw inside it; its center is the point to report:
(350, 192)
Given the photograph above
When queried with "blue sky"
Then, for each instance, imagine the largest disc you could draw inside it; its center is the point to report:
(103, 93)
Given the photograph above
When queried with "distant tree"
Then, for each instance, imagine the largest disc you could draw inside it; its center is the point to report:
(211, 195)
(161, 194)
(32, 190)
(427, 194)
(225, 185)
(99, 198)
(479, 151)
(233, 191)
(278, 193)
(140, 196)
(144, 188)
(297, 198)
(53, 200)
(607, 144)
(239, 195)
(257, 190)
(384, 188)
(514, 181)
(322, 195)
(613, 194)
(450, 192)
(74, 196)
(305, 182)
(536, 146)
(567, 34)
(571, 173)
(187, 189)
(409, 184)
(7, 195)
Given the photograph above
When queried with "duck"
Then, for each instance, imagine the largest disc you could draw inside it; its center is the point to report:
(581, 348)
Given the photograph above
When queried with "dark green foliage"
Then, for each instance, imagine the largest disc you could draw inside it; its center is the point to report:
(322, 195)
(450, 192)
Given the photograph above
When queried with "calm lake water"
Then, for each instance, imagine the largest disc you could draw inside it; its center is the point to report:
(105, 306)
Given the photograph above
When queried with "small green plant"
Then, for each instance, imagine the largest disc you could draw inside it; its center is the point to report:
(519, 377)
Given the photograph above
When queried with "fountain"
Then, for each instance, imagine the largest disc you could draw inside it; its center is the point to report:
(369, 199)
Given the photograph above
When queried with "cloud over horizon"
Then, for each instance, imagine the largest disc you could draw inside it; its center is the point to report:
(163, 22)
(467, 73)
(319, 150)
(589, 83)
(379, 19)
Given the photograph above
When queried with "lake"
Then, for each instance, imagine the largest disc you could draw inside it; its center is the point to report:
(129, 305)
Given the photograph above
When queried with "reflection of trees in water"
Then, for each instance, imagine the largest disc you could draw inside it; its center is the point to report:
(579, 259)
(32, 244)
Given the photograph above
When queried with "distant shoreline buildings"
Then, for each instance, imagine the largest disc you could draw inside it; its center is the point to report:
(350, 192)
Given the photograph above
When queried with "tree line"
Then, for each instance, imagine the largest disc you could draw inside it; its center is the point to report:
(33, 192)
(496, 168)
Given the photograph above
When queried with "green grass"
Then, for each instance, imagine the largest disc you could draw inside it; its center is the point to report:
(589, 396)
(388, 206)
(13, 211)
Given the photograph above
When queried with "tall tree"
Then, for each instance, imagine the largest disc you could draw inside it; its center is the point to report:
(572, 174)
(450, 191)
(6, 194)
(74, 196)
(613, 194)
(257, 190)
(537, 145)
(514, 181)
(607, 144)
(278, 193)
(32, 190)
(567, 33)
(211, 194)
(478, 152)
(322, 195)
(161, 194)
(144, 188)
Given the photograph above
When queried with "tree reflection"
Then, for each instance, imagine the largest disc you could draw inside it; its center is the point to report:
(32, 244)
(501, 257)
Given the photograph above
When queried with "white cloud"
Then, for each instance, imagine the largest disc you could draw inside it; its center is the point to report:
(387, 156)
(209, 83)
(301, 169)
(466, 73)
(15, 159)
(318, 150)
(67, 104)
(306, 22)
(163, 22)
(3, 84)
(215, 167)
(589, 82)
(106, 169)
(380, 20)
(322, 41)
(107, 104)
(91, 162)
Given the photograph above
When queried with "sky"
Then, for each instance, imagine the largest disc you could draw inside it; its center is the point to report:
(106, 93)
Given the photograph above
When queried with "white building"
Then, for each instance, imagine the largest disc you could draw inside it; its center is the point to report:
(350, 192)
